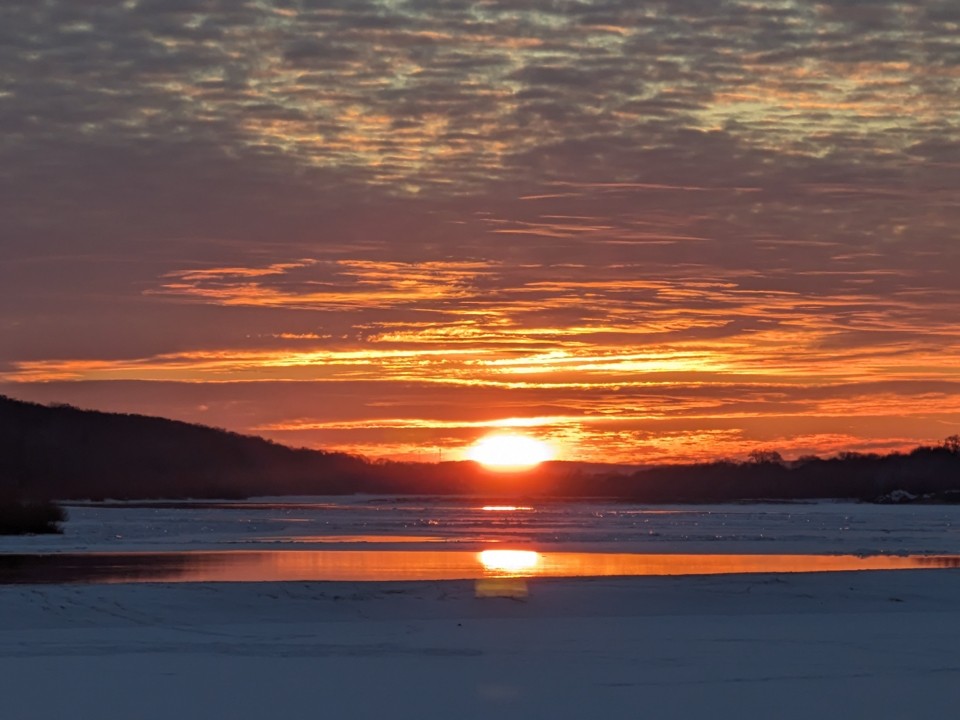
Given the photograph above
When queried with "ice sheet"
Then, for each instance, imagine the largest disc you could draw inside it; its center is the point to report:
(463, 524)
(873, 645)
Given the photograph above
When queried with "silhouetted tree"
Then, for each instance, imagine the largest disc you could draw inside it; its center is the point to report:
(23, 517)
(765, 456)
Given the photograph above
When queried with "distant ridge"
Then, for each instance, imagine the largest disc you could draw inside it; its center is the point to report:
(65, 453)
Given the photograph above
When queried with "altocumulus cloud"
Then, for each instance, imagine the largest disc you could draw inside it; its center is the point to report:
(725, 219)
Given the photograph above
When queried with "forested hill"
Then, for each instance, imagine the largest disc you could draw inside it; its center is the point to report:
(63, 452)
(925, 474)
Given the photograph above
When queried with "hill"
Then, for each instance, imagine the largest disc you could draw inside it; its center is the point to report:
(63, 452)
(925, 474)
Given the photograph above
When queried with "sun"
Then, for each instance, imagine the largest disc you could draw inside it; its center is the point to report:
(509, 452)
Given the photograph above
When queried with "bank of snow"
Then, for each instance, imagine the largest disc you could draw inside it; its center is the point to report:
(877, 645)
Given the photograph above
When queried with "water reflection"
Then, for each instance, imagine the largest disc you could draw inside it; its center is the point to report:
(509, 587)
(397, 565)
(509, 562)
(365, 539)
(510, 569)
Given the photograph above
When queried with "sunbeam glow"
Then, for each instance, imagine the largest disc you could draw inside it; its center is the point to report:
(510, 452)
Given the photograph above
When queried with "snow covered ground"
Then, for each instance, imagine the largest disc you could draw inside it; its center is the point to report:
(872, 645)
(875, 645)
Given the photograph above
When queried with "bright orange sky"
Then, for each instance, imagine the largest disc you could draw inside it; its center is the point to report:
(642, 232)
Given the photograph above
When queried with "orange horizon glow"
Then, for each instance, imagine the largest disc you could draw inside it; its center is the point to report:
(599, 384)
(490, 217)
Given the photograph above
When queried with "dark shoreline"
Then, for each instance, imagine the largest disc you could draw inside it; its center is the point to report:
(25, 517)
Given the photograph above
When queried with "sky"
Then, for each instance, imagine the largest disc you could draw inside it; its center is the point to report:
(642, 231)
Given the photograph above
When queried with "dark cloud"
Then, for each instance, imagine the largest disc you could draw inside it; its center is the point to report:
(296, 79)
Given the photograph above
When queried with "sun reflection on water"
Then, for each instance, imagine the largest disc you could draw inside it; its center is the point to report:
(509, 562)
(491, 568)
(507, 571)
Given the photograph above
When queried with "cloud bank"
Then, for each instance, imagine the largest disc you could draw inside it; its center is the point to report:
(647, 230)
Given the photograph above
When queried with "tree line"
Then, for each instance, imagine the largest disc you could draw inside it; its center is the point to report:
(61, 452)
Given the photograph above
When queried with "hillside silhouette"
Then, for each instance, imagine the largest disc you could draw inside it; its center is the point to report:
(65, 453)
(61, 452)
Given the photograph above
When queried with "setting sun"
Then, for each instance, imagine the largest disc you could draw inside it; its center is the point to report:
(509, 452)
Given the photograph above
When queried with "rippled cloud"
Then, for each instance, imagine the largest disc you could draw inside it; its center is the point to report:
(646, 229)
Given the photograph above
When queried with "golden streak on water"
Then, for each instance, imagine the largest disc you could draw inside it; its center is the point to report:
(368, 539)
(506, 565)
(505, 508)
(509, 587)
(410, 565)
(509, 561)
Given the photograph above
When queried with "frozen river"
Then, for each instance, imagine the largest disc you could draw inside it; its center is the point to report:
(770, 644)
(365, 522)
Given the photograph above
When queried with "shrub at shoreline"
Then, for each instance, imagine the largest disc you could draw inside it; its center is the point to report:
(25, 518)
